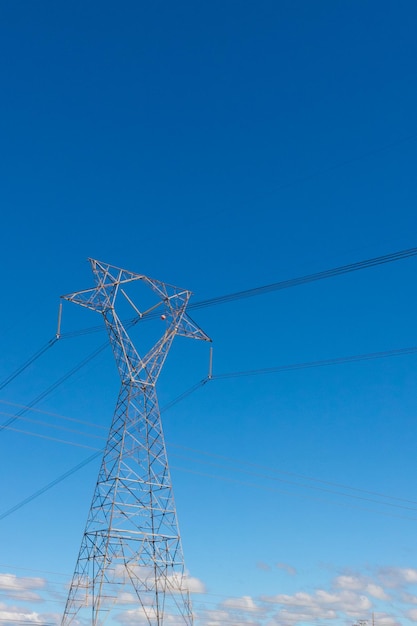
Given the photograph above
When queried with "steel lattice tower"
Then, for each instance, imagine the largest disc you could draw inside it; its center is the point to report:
(130, 563)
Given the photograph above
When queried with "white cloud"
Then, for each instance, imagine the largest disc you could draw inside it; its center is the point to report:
(293, 617)
(11, 581)
(215, 618)
(220, 617)
(376, 591)
(321, 605)
(21, 588)
(245, 603)
(287, 568)
(395, 577)
(298, 599)
(409, 598)
(142, 617)
(409, 575)
(347, 597)
(263, 566)
(359, 583)
(177, 582)
(127, 598)
(13, 614)
(354, 583)
(383, 619)
(195, 585)
(412, 614)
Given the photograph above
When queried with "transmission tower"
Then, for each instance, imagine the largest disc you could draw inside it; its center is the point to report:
(131, 566)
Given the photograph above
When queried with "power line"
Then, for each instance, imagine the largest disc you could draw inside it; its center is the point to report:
(258, 485)
(51, 484)
(369, 356)
(228, 478)
(201, 600)
(306, 486)
(323, 363)
(51, 414)
(29, 362)
(88, 460)
(344, 269)
(284, 284)
(213, 301)
(309, 278)
(188, 392)
(263, 487)
(54, 439)
(292, 474)
(264, 476)
(54, 386)
(24, 621)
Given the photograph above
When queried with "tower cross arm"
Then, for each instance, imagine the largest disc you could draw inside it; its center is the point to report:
(92, 299)
(108, 280)
(175, 308)
(188, 328)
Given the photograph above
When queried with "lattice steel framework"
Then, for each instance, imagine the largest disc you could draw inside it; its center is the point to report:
(130, 566)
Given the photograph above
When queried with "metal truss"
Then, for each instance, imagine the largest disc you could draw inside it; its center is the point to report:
(130, 567)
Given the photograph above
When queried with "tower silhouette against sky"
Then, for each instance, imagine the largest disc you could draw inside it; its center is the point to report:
(130, 566)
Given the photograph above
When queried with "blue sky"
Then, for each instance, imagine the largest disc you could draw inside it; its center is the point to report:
(219, 146)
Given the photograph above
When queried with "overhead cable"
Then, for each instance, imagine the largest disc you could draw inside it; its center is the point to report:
(237, 374)
(284, 284)
(323, 363)
(256, 291)
(324, 488)
(50, 414)
(295, 366)
(51, 484)
(383, 354)
(88, 460)
(261, 485)
(29, 362)
(308, 278)
(54, 386)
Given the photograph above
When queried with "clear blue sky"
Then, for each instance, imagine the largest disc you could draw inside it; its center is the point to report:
(219, 146)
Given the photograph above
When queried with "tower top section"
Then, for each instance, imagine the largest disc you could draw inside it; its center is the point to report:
(170, 303)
